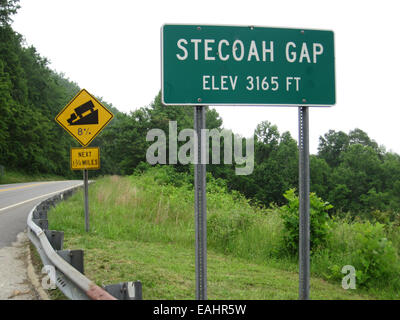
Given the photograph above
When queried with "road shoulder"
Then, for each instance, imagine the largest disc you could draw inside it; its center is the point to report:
(18, 280)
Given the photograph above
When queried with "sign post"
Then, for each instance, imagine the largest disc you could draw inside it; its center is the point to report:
(238, 65)
(86, 187)
(304, 205)
(85, 159)
(83, 118)
(200, 204)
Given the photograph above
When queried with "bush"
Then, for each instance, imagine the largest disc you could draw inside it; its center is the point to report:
(375, 260)
(365, 246)
(319, 222)
(224, 228)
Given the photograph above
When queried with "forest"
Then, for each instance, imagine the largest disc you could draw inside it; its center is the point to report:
(351, 171)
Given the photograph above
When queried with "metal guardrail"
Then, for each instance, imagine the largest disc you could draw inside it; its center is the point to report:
(68, 264)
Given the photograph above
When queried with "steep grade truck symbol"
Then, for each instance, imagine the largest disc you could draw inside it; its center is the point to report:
(84, 114)
(84, 117)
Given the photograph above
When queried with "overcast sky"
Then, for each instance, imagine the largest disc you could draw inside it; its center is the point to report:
(112, 49)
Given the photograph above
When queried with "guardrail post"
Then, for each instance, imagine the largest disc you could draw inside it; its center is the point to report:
(69, 264)
(56, 239)
(125, 290)
(43, 206)
(42, 223)
(74, 258)
(67, 194)
(40, 214)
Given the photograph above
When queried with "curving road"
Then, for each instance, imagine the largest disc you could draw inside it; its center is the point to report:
(16, 200)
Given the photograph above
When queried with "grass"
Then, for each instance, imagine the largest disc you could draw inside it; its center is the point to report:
(167, 271)
(11, 176)
(142, 228)
(37, 263)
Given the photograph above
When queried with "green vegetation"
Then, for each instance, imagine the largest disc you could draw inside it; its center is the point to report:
(350, 171)
(142, 227)
(319, 222)
(30, 96)
(19, 177)
(38, 266)
(355, 184)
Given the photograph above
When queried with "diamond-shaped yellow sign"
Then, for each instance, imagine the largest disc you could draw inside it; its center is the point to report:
(84, 117)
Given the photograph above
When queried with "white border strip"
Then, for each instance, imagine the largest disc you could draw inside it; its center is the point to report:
(210, 103)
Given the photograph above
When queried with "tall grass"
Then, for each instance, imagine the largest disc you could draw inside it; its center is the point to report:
(367, 247)
(157, 206)
(13, 176)
(150, 208)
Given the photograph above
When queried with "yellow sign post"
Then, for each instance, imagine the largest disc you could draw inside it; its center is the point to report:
(85, 158)
(84, 117)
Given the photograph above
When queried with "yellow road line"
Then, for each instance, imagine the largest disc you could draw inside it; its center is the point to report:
(44, 195)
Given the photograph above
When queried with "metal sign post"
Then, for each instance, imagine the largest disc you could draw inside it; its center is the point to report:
(200, 204)
(304, 205)
(83, 118)
(247, 65)
(86, 186)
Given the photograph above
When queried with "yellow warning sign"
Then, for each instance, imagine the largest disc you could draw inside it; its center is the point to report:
(85, 158)
(84, 117)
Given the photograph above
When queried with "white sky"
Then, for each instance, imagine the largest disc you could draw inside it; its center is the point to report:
(112, 49)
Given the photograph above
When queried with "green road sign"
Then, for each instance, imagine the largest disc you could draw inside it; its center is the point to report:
(226, 65)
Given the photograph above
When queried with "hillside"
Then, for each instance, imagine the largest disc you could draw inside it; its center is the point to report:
(355, 181)
(142, 227)
(351, 170)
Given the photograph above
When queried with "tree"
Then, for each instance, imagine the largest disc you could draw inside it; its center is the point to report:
(123, 143)
(276, 166)
(7, 9)
(359, 172)
(320, 176)
(357, 136)
(332, 145)
(266, 140)
(6, 103)
(30, 97)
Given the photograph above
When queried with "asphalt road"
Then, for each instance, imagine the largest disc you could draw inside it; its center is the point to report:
(16, 201)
